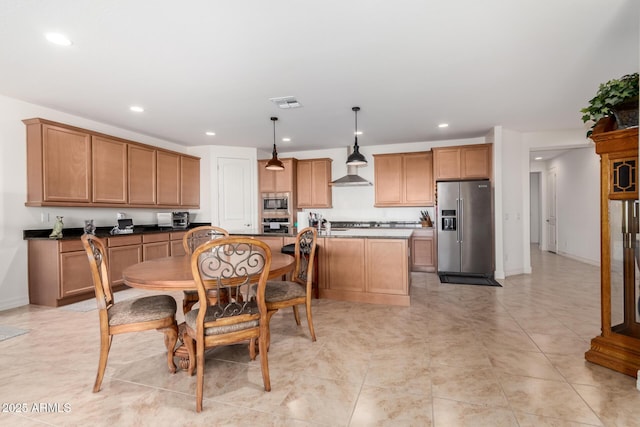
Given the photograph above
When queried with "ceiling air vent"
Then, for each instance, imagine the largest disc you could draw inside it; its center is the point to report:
(286, 102)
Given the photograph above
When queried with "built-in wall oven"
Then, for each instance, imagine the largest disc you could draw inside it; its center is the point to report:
(276, 225)
(276, 203)
(276, 213)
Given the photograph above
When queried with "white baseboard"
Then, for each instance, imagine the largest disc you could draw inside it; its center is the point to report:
(13, 303)
(577, 258)
(514, 272)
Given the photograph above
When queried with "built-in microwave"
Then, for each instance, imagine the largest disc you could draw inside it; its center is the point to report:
(276, 225)
(275, 203)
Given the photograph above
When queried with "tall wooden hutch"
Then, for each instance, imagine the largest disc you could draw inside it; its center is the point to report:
(618, 346)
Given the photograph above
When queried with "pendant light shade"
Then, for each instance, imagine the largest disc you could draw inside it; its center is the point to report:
(355, 158)
(274, 164)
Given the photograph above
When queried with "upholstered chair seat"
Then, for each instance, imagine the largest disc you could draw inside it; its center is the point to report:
(145, 309)
(278, 291)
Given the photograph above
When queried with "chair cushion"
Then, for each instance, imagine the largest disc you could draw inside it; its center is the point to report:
(143, 309)
(278, 291)
(191, 317)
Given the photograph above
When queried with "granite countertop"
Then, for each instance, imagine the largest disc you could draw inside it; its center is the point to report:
(75, 233)
(379, 233)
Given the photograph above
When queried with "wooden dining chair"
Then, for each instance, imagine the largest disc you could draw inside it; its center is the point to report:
(133, 315)
(190, 241)
(298, 290)
(239, 266)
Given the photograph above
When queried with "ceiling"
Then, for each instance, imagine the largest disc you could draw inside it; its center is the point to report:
(526, 65)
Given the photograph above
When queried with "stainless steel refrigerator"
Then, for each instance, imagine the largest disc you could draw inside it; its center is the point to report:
(465, 231)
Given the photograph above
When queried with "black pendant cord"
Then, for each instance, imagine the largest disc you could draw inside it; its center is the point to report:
(355, 147)
(275, 153)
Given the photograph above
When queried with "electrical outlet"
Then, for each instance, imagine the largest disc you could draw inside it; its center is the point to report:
(44, 217)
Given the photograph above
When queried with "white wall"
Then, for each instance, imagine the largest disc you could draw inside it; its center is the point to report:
(578, 204)
(16, 217)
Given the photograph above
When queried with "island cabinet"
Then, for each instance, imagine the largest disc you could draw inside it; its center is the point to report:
(365, 270)
(69, 166)
(404, 179)
(462, 162)
(423, 250)
(313, 179)
(283, 181)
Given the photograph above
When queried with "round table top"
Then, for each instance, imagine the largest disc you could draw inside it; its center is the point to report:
(174, 273)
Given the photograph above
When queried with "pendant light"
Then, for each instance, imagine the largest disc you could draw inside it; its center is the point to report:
(355, 158)
(274, 164)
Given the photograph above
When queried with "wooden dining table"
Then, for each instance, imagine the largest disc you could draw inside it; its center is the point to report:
(174, 274)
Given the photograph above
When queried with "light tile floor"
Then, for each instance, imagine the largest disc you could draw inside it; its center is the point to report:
(459, 356)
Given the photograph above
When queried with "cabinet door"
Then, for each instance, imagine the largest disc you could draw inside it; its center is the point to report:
(75, 274)
(189, 182)
(284, 179)
(418, 175)
(121, 257)
(387, 260)
(168, 176)
(266, 178)
(305, 183)
(345, 264)
(142, 175)
(422, 254)
(475, 162)
(320, 179)
(275, 243)
(177, 249)
(388, 180)
(109, 163)
(446, 163)
(66, 165)
(155, 250)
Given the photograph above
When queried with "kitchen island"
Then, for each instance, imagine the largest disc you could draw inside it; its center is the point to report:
(368, 265)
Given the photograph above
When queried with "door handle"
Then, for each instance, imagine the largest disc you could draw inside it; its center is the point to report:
(461, 217)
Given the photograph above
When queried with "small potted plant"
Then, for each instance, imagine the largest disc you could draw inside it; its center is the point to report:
(617, 97)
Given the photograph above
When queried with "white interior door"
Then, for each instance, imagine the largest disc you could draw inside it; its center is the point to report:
(235, 193)
(552, 231)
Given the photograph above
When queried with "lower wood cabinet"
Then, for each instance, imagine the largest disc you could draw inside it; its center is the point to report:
(59, 272)
(123, 252)
(365, 270)
(155, 246)
(423, 250)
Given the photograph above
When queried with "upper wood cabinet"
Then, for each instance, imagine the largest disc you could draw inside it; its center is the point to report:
(142, 175)
(109, 166)
(462, 162)
(277, 181)
(58, 164)
(69, 166)
(404, 179)
(168, 175)
(189, 182)
(313, 178)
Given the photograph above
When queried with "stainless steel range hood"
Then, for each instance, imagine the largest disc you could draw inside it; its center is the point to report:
(351, 179)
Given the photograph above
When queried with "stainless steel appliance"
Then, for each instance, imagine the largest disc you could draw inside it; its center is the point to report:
(276, 225)
(465, 232)
(180, 220)
(273, 203)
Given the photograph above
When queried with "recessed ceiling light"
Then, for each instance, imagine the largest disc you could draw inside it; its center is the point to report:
(286, 139)
(209, 133)
(538, 158)
(443, 125)
(136, 108)
(59, 39)
(358, 132)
